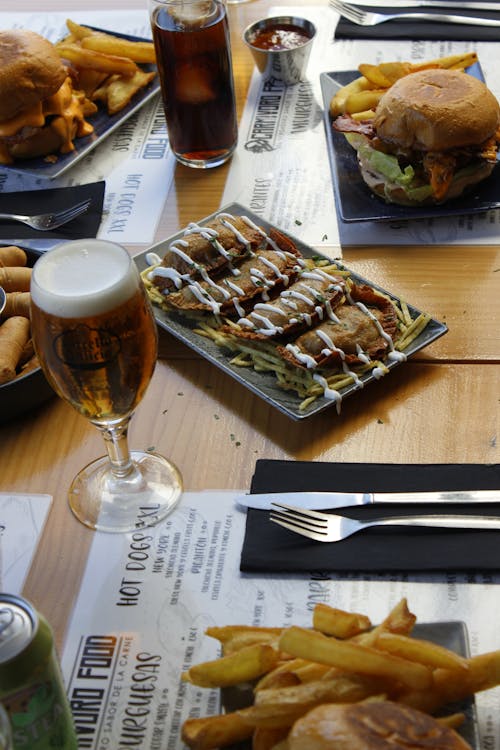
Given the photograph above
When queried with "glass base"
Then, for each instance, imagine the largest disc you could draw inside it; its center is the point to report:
(143, 498)
(204, 160)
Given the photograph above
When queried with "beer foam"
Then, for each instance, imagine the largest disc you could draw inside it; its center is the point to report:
(84, 277)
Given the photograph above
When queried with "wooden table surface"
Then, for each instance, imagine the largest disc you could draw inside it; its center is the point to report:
(442, 406)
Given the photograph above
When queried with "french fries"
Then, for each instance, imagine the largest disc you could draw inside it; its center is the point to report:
(360, 97)
(355, 657)
(332, 621)
(108, 66)
(341, 659)
(139, 52)
(242, 666)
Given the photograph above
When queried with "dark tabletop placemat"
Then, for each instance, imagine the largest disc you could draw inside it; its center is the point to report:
(54, 199)
(270, 548)
(413, 29)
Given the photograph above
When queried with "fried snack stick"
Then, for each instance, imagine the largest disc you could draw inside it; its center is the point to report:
(15, 279)
(12, 256)
(14, 334)
(17, 303)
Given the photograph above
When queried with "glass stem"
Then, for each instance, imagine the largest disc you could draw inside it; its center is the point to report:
(116, 442)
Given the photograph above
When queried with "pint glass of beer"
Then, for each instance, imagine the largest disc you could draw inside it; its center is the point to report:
(95, 336)
(193, 55)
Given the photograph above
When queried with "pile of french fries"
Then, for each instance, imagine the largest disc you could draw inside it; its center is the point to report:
(108, 66)
(360, 97)
(341, 659)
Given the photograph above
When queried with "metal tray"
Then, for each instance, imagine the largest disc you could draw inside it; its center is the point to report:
(265, 384)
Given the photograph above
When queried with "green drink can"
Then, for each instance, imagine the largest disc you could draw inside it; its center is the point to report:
(31, 684)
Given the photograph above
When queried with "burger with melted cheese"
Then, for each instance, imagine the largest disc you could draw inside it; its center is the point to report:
(377, 725)
(40, 113)
(435, 133)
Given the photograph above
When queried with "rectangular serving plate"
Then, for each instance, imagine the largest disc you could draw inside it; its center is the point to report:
(265, 385)
(355, 202)
(102, 123)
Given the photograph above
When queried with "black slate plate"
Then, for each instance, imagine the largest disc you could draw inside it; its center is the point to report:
(354, 200)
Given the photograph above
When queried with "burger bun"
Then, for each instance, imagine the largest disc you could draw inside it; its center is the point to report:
(437, 110)
(30, 71)
(376, 725)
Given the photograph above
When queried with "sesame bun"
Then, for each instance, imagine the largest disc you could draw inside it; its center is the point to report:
(437, 110)
(377, 725)
(30, 71)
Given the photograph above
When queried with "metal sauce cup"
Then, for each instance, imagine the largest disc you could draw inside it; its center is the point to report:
(287, 65)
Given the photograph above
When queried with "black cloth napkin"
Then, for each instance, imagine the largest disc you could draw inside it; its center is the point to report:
(53, 199)
(412, 29)
(270, 548)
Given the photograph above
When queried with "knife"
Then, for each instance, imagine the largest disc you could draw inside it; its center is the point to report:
(330, 500)
(427, 4)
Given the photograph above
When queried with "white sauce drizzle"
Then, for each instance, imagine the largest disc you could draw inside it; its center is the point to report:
(169, 273)
(239, 309)
(393, 354)
(235, 288)
(152, 258)
(270, 308)
(328, 392)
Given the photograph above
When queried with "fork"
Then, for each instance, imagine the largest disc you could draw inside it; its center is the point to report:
(332, 527)
(366, 18)
(48, 221)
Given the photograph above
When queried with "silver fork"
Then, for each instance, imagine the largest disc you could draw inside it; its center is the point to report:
(367, 18)
(331, 527)
(46, 222)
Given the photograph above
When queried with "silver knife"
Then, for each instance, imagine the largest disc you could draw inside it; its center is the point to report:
(330, 500)
(427, 4)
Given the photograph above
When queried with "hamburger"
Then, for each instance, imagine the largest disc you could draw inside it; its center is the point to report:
(435, 133)
(40, 113)
(377, 725)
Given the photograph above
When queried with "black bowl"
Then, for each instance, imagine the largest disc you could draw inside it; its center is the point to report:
(27, 391)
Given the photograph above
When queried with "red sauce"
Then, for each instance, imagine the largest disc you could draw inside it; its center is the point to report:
(281, 36)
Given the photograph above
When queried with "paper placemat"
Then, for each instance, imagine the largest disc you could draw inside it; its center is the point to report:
(147, 598)
(22, 518)
(280, 169)
(135, 159)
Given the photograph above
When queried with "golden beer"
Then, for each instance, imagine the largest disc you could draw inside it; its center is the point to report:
(95, 335)
(93, 330)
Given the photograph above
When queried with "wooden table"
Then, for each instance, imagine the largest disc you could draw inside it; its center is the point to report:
(442, 406)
